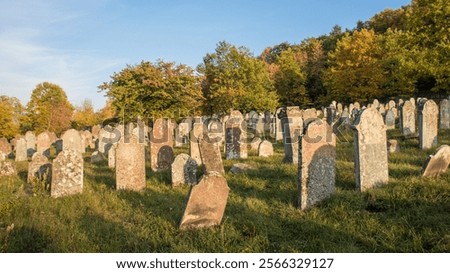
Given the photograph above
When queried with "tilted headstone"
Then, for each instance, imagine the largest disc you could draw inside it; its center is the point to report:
(206, 202)
(130, 166)
(235, 136)
(408, 119)
(39, 170)
(43, 144)
(390, 120)
(265, 149)
(444, 119)
(31, 143)
(292, 124)
(161, 145)
(67, 173)
(184, 170)
(437, 164)
(428, 124)
(317, 164)
(371, 160)
(21, 149)
(71, 139)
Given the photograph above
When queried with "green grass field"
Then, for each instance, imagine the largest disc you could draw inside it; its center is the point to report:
(410, 214)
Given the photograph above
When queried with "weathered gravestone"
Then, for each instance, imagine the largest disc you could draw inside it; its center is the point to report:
(21, 149)
(211, 156)
(407, 119)
(317, 164)
(393, 146)
(265, 149)
(390, 120)
(5, 146)
(67, 173)
(371, 160)
(7, 168)
(112, 156)
(437, 164)
(292, 124)
(31, 143)
(43, 144)
(39, 171)
(184, 170)
(428, 124)
(130, 166)
(196, 133)
(182, 132)
(309, 114)
(444, 107)
(161, 143)
(254, 144)
(215, 131)
(71, 139)
(235, 136)
(206, 202)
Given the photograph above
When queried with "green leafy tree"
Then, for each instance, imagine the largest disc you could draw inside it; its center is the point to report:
(355, 71)
(428, 44)
(154, 90)
(49, 109)
(235, 79)
(290, 80)
(11, 116)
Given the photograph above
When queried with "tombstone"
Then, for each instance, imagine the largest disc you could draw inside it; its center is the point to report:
(182, 133)
(67, 173)
(5, 146)
(71, 139)
(96, 157)
(371, 161)
(206, 202)
(309, 114)
(339, 109)
(390, 120)
(317, 164)
(254, 144)
(215, 131)
(7, 168)
(112, 156)
(393, 146)
(391, 104)
(31, 143)
(259, 126)
(161, 143)
(21, 149)
(292, 124)
(428, 124)
(235, 136)
(184, 170)
(408, 119)
(444, 119)
(86, 137)
(39, 170)
(95, 131)
(278, 126)
(196, 133)
(331, 115)
(211, 157)
(43, 144)
(376, 104)
(437, 164)
(265, 149)
(130, 166)
(107, 136)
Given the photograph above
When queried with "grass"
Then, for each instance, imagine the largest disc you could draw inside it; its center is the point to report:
(410, 214)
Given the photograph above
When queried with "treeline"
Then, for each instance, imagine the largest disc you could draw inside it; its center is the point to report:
(397, 53)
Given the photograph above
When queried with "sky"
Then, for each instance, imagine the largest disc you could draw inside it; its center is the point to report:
(79, 44)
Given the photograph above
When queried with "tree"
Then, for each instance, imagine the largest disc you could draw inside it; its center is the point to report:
(11, 113)
(355, 72)
(235, 79)
(387, 19)
(154, 90)
(49, 109)
(290, 79)
(428, 44)
(84, 115)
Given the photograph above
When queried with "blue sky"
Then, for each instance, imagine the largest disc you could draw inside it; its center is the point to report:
(79, 44)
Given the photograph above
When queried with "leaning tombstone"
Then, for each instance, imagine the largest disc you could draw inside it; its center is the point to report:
(437, 164)
(371, 160)
(67, 173)
(428, 124)
(317, 164)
